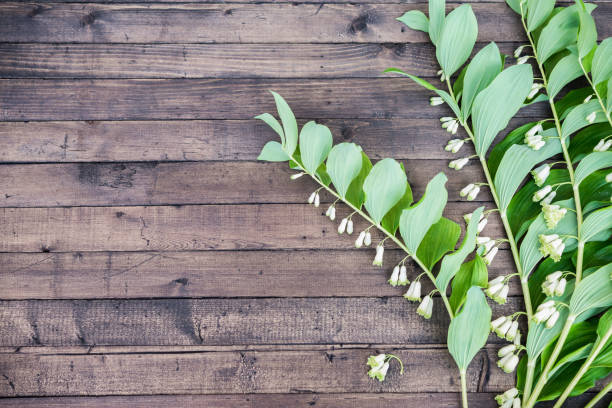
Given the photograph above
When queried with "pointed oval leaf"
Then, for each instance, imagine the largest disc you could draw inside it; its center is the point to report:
(390, 221)
(355, 194)
(416, 20)
(596, 222)
(594, 291)
(483, 68)
(273, 123)
(601, 67)
(537, 12)
(587, 33)
(384, 187)
(343, 165)
(576, 118)
(315, 143)
(591, 163)
(469, 330)
(564, 72)
(437, 13)
(472, 273)
(273, 152)
(290, 126)
(498, 103)
(416, 220)
(457, 39)
(440, 239)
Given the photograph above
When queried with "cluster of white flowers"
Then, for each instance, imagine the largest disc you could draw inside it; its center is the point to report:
(507, 328)
(498, 289)
(399, 276)
(603, 145)
(545, 195)
(458, 164)
(414, 291)
(547, 312)
(314, 199)
(540, 174)
(436, 100)
(454, 145)
(331, 212)
(553, 213)
(378, 367)
(551, 245)
(450, 124)
(471, 191)
(364, 238)
(509, 399)
(489, 248)
(534, 138)
(346, 225)
(555, 284)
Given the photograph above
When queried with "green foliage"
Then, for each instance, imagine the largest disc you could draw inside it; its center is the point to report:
(457, 39)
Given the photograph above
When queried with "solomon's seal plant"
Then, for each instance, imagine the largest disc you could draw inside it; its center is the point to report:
(550, 181)
(381, 195)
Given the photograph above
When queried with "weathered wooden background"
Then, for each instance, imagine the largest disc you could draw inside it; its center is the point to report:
(148, 260)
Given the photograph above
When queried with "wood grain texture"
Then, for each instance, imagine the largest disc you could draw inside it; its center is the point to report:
(88, 184)
(241, 372)
(286, 273)
(217, 60)
(217, 321)
(133, 99)
(202, 140)
(190, 227)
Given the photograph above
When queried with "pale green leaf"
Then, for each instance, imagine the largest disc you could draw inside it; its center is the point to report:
(472, 273)
(516, 165)
(594, 291)
(273, 123)
(498, 103)
(384, 187)
(416, 20)
(469, 330)
(515, 5)
(564, 72)
(273, 152)
(591, 163)
(576, 118)
(587, 33)
(289, 124)
(315, 143)
(390, 221)
(355, 194)
(416, 220)
(457, 39)
(437, 12)
(601, 67)
(609, 98)
(483, 68)
(596, 222)
(451, 263)
(537, 12)
(605, 324)
(343, 165)
(440, 239)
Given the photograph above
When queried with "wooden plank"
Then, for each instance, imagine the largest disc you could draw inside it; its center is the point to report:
(137, 99)
(196, 140)
(93, 275)
(217, 60)
(84, 184)
(179, 228)
(220, 321)
(241, 23)
(240, 372)
(343, 400)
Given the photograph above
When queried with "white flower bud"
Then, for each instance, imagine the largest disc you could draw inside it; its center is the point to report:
(312, 198)
(588, 98)
(512, 331)
(453, 129)
(332, 215)
(458, 164)
(426, 307)
(472, 195)
(504, 351)
(349, 227)
(503, 329)
(499, 279)
(516, 403)
(342, 226)
(522, 60)
(534, 130)
(483, 240)
(490, 255)
(553, 277)
(609, 178)
(414, 291)
(498, 322)
(360, 238)
(446, 119)
(317, 200)
(482, 224)
(603, 145)
(368, 239)
(534, 90)
(296, 176)
(466, 190)
(552, 319)
(329, 210)
(519, 51)
(591, 117)
(378, 259)
(488, 246)
(394, 279)
(540, 174)
(549, 198)
(542, 315)
(541, 193)
(435, 101)
(403, 276)
(508, 363)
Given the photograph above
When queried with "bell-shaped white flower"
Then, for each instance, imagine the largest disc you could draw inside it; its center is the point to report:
(544, 311)
(482, 224)
(508, 363)
(603, 145)
(512, 331)
(436, 100)
(591, 117)
(329, 210)
(504, 351)
(498, 289)
(342, 226)
(541, 193)
(317, 200)
(473, 193)
(535, 142)
(368, 239)
(426, 307)
(454, 145)
(553, 213)
(503, 328)
(560, 288)
(548, 199)
(488, 258)
(523, 59)
(378, 259)
(414, 291)
(588, 98)
(609, 178)
(376, 361)
(488, 246)
(312, 197)
(552, 319)
(349, 227)
(495, 324)
(508, 399)
(540, 174)
(441, 74)
(519, 51)
(458, 164)
(360, 239)
(296, 176)
(516, 403)
(554, 277)
(534, 130)
(551, 245)
(535, 88)
(403, 276)
(378, 366)
(394, 279)
(483, 241)
(453, 128)
(466, 190)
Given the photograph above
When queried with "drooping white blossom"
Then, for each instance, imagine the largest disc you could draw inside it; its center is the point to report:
(367, 241)
(426, 307)
(553, 213)
(360, 239)
(296, 176)
(458, 164)
(342, 226)
(403, 276)
(603, 145)
(488, 258)
(540, 174)
(378, 259)
(349, 227)
(414, 291)
(473, 193)
(435, 101)
(541, 193)
(466, 190)
(394, 279)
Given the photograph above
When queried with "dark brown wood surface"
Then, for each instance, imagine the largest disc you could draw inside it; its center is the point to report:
(148, 260)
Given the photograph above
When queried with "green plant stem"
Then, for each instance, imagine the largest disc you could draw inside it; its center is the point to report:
(599, 395)
(389, 235)
(551, 362)
(603, 107)
(599, 345)
(464, 399)
(529, 377)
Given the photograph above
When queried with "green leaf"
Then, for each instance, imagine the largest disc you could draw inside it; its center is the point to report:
(587, 33)
(564, 72)
(592, 162)
(315, 143)
(273, 123)
(344, 165)
(472, 273)
(273, 152)
(384, 187)
(390, 222)
(437, 12)
(440, 239)
(469, 330)
(416, 20)
(457, 39)
(609, 98)
(576, 118)
(594, 291)
(416, 220)
(498, 103)
(498, 151)
(605, 324)
(537, 12)
(570, 100)
(289, 124)
(483, 68)
(601, 67)
(516, 165)
(596, 222)
(515, 5)
(355, 194)
(452, 262)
